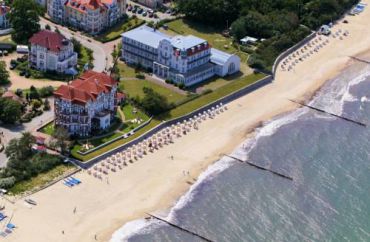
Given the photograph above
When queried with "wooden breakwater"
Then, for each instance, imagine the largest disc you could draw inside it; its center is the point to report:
(331, 114)
(261, 167)
(180, 228)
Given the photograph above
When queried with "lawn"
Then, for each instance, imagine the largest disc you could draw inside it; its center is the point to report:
(135, 88)
(212, 35)
(213, 96)
(126, 71)
(48, 129)
(116, 31)
(133, 113)
(118, 143)
(41, 179)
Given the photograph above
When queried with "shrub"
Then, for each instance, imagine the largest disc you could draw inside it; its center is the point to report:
(7, 182)
(206, 91)
(46, 91)
(140, 76)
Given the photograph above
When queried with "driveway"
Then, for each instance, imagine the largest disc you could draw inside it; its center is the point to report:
(15, 131)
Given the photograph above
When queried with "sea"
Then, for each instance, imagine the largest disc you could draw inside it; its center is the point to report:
(327, 157)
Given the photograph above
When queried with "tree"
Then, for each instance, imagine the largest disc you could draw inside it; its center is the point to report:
(46, 91)
(34, 94)
(61, 138)
(153, 102)
(10, 111)
(36, 104)
(20, 148)
(4, 74)
(46, 105)
(77, 46)
(24, 19)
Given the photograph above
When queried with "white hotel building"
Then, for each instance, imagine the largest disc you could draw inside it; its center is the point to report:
(182, 59)
(51, 51)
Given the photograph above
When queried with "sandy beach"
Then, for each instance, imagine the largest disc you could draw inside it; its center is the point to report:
(155, 182)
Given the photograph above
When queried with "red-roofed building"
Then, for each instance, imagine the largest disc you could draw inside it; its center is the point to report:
(92, 16)
(51, 51)
(88, 103)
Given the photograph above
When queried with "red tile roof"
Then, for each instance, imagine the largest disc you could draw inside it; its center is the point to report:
(85, 88)
(51, 40)
(82, 5)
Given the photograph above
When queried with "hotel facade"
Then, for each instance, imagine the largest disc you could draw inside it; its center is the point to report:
(92, 16)
(51, 51)
(182, 59)
(87, 104)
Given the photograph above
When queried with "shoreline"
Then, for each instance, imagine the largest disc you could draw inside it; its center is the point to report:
(155, 183)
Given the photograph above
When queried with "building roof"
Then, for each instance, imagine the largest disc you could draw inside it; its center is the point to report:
(13, 96)
(51, 40)
(86, 88)
(186, 42)
(146, 35)
(219, 57)
(83, 5)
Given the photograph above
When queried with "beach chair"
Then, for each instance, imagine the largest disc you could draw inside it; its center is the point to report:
(10, 226)
(69, 183)
(77, 180)
(72, 181)
(3, 234)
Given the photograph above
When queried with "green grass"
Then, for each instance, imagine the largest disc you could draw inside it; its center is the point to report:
(40, 180)
(48, 129)
(116, 31)
(213, 96)
(128, 111)
(135, 88)
(126, 71)
(85, 57)
(209, 33)
(118, 143)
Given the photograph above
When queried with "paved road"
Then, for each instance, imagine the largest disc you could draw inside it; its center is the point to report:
(102, 54)
(15, 131)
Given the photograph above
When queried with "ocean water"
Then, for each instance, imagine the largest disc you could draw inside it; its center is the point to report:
(328, 199)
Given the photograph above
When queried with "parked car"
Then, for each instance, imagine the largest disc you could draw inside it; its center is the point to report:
(145, 13)
(22, 73)
(134, 10)
(151, 15)
(129, 8)
(168, 11)
(140, 11)
(27, 74)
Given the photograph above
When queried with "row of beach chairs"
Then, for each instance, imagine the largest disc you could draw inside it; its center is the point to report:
(71, 182)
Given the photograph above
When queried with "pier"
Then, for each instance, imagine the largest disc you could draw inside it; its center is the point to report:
(180, 228)
(360, 60)
(331, 114)
(261, 168)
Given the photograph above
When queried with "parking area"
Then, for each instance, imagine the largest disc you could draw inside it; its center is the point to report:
(147, 13)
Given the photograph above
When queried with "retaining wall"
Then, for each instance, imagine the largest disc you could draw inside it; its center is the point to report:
(291, 50)
(227, 99)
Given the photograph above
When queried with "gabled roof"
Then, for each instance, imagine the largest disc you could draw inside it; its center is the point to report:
(86, 88)
(82, 5)
(219, 57)
(48, 39)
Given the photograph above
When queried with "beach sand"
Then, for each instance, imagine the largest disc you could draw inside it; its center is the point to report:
(156, 181)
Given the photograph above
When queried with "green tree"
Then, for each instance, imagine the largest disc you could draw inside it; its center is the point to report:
(34, 94)
(36, 104)
(77, 46)
(10, 111)
(4, 74)
(24, 19)
(20, 149)
(46, 105)
(61, 138)
(153, 102)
